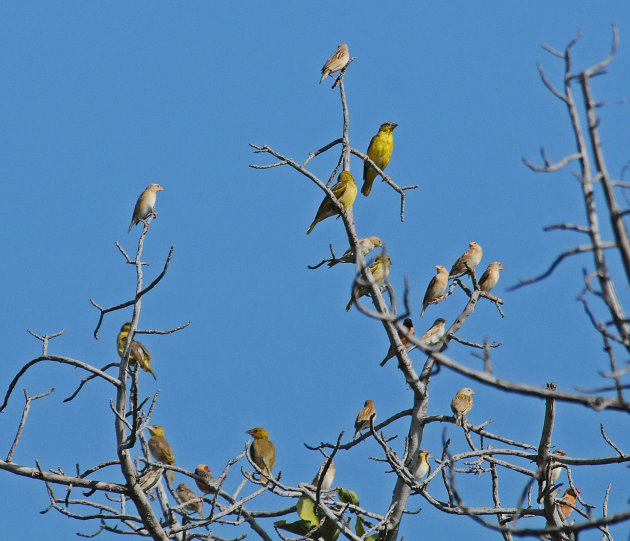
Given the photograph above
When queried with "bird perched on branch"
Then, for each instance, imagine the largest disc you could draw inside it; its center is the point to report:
(149, 478)
(436, 288)
(345, 191)
(467, 262)
(184, 494)
(462, 403)
(160, 449)
(328, 478)
(367, 244)
(363, 419)
(570, 495)
(555, 469)
(207, 484)
(145, 205)
(405, 341)
(380, 152)
(262, 451)
(139, 354)
(490, 277)
(423, 468)
(379, 270)
(435, 333)
(336, 62)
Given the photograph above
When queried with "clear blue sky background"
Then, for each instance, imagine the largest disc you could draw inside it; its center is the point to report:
(100, 99)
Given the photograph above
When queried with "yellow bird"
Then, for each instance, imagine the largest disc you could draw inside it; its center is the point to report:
(262, 451)
(139, 353)
(345, 191)
(423, 468)
(160, 449)
(380, 271)
(380, 152)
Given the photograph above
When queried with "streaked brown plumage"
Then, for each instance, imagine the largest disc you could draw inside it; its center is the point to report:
(490, 277)
(436, 288)
(184, 494)
(570, 496)
(337, 61)
(367, 245)
(470, 258)
(145, 205)
(363, 419)
(208, 484)
(462, 403)
(434, 334)
(262, 451)
(160, 449)
(149, 478)
(405, 341)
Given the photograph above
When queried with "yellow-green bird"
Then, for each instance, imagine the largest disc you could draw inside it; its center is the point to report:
(139, 353)
(262, 451)
(345, 191)
(379, 270)
(380, 152)
(423, 467)
(160, 449)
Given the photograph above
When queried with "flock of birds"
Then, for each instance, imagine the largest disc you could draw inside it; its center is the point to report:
(262, 450)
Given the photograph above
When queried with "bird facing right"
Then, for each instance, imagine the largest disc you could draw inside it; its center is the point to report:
(462, 403)
(145, 205)
(345, 190)
(139, 353)
(367, 244)
(379, 270)
(436, 288)
(380, 152)
(423, 467)
(490, 277)
(328, 478)
(467, 261)
(570, 495)
(363, 419)
(207, 484)
(336, 62)
(405, 341)
(435, 333)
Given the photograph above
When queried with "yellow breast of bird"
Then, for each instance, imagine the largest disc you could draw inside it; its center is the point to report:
(381, 148)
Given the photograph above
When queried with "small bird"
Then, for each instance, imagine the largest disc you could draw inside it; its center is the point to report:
(380, 152)
(328, 478)
(363, 419)
(470, 258)
(462, 403)
(262, 451)
(145, 205)
(379, 270)
(490, 277)
(555, 471)
(345, 191)
(336, 62)
(149, 478)
(436, 288)
(139, 353)
(435, 333)
(405, 341)
(570, 495)
(423, 468)
(184, 494)
(367, 244)
(160, 449)
(207, 484)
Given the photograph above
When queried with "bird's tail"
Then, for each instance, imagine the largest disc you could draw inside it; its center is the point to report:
(350, 303)
(423, 309)
(171, 475)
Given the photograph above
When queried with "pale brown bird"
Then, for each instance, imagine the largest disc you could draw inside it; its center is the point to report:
(405, 341)
(555, 469)
(490, 277)
(467, 262)
(160, 449)
(363, 419)
(434, 334)
(436, 288)
(423, 468)
(145, 205)
(207, 484)
(184, 494)
(328, 478)
(367, 245)
(462, 403)
(336, 62)
(149, 478)
(262, 451)
(570, 495)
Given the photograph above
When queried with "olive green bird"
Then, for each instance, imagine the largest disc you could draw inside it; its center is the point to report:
(379, 270)
(345, 191)
(262, 451)
(139, 353)
(160, 449)
(380, 152)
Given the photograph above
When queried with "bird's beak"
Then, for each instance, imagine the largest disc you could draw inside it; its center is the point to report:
(501, 267)
(160, 189)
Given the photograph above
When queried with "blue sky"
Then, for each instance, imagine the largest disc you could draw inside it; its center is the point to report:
(100, 99)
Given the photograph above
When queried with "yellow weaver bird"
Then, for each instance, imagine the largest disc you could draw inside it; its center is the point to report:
(160, 449)
(380, 271)
(262, 451)
(139, 354)
(345, 191)
(380, 152)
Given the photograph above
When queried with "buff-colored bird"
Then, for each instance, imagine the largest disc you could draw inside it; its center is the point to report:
(405, 341)
(139, 354)
(262, 451)
(380, 152)
(467, 262)
(160, 449)
(570, 495)
(555, 469)
(363, 419)
(145, 205)
(184, 494)
(490, 277)
(462, 403)
(345, 191)
(149, 478)
(434, 334)
(436, 288)
(207, 484)
(379, 270)
(328, 478)
(367, 244)
(336, 62)
(423, 468)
